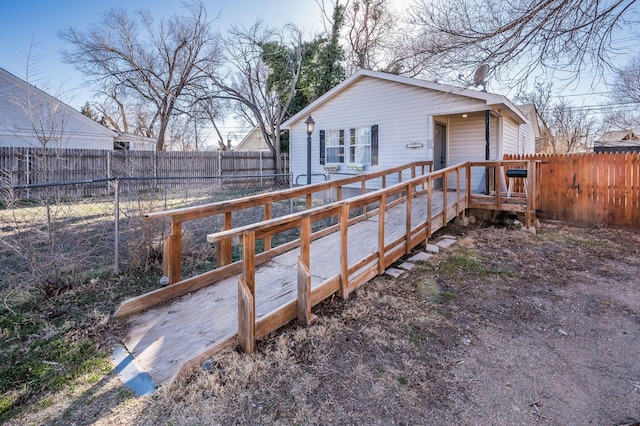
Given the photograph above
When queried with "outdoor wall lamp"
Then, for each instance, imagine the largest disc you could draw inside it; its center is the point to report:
(310, 123)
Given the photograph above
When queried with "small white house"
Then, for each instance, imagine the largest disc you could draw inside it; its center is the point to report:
(254, 141)
(375, 120)
(30, 117)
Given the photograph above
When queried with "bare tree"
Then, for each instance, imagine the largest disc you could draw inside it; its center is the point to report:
(159, 67)
(247, 85)
(568, 35)
(374, 38)
(565, 128)
(622, 113)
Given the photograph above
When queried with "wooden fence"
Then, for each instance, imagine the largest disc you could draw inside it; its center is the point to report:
(602, 188)
(28, 166)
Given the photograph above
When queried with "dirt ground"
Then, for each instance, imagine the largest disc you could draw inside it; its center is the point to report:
(503, 328)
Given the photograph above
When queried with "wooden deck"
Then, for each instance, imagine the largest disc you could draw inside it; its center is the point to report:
(164, 338)
(175, 328)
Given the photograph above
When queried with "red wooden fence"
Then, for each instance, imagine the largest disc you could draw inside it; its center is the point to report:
(602, 188)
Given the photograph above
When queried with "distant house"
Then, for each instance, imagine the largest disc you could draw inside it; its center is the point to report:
(375, 120)
(30, 117)
(617, 141)
(254, 141)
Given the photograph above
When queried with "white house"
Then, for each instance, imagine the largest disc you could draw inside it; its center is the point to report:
(254, 141)
(30, 117)
(375, 120)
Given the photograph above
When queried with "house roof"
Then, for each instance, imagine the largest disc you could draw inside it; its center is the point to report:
(13, 86)
(254, 137)
(491, 99)
(532, 114)
(618, 135)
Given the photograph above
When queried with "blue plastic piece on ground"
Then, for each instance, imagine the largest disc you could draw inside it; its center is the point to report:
(138, 381)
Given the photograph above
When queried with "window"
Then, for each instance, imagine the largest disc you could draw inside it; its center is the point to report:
(359, 147)
(121, 145)
(335, 146)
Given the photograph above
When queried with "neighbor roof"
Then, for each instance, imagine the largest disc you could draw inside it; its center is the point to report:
(489, 98)
(14, 86)
(618, 135)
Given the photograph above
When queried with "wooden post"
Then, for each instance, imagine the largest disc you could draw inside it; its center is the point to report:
(246, 295)
(304, 293)
(246, 317)
(309, 201)
(407, 240)
(531, 195)
(171, 263)
(444, 199)
(223, 255)
(458, 209)
(468, 185)
(381, 217)
(344, 251)
(267, 216)
(429, 204)
(497, 178)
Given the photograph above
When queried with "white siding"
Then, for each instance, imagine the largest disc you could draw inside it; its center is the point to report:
(511, 141)
(403, 115)
(467, 143)
(527, 139)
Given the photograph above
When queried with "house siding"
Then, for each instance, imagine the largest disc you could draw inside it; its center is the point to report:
(467, 143)
(403, 114)
(511, 137)
(406, 111)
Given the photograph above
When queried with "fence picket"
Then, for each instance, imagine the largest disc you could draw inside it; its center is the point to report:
(24, 166)
(601, 188)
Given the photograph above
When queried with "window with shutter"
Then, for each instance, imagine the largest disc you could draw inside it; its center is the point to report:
(374, 145)
(357, 146)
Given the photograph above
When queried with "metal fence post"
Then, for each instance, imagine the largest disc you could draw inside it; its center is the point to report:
(116, 268)
(261, 183)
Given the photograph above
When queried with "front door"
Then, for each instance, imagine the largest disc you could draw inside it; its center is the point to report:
(439, 151)
(440, 147)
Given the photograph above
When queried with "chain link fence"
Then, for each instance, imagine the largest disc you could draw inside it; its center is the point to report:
(51, 233)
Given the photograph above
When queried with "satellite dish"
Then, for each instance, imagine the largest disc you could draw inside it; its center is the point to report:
(479, 78)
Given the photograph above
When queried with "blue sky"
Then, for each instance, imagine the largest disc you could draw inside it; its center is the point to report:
(34, 24)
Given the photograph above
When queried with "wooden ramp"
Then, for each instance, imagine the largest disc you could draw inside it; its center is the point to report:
(175, 328)
(164, 338)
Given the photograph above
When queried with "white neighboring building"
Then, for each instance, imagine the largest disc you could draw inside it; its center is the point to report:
(30, 117)
(375, 120)
(254, 141)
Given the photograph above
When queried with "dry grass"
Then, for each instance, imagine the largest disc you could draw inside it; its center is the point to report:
(469, 337)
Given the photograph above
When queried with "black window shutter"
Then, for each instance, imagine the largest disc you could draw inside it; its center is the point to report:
(321, 146)
(374, 145)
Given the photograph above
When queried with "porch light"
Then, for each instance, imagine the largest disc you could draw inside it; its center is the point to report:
(309, 122)
(465, 115)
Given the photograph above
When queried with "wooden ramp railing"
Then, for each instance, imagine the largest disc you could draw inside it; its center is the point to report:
(425, 210)
(496, 200)
(353, 272)
(172, 257)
